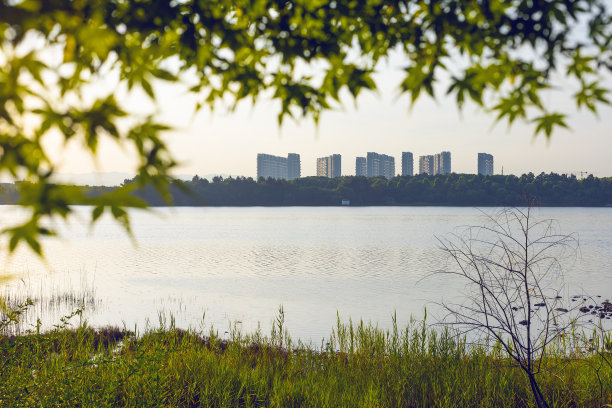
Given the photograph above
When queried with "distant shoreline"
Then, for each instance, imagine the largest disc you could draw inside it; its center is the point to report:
(452, 190)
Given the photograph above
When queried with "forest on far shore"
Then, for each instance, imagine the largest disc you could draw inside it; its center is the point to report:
(445, 190)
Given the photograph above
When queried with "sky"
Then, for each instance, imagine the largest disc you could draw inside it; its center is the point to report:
(222, 142)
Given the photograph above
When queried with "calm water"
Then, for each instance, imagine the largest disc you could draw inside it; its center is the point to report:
(240, 264)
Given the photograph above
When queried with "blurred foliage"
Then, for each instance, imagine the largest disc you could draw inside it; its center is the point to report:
(305, 54)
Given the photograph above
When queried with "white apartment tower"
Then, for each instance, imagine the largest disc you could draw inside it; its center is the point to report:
(434, 164)
(407, 164)
(330, 166)
(361, 167)
(442, 163)
(485, 164)
(277, 167)
(426, 165)
(380, 165)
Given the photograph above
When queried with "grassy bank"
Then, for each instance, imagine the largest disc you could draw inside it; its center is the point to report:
(361, 366)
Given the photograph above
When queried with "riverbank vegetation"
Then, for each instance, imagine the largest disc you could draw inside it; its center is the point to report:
(359, 366)
(452, 189)
(448, 190)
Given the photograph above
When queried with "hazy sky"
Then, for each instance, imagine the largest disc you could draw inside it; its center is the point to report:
(228, 143)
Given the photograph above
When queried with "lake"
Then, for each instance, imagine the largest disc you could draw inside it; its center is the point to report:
(238, 265)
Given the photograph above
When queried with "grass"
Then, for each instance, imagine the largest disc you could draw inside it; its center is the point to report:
(45, 306)
(360, 366)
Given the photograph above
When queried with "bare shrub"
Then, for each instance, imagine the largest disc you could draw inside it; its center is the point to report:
(512, 269)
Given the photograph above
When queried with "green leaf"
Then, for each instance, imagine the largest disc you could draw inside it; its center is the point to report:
(147, 88)
(511, 107)
(13, 242)
(590, 94)
(165, 75)
(581, 65)
(34, 245)
(118, 212)
(97, 213)
(29, 5)
(418, 77)
(546, 123)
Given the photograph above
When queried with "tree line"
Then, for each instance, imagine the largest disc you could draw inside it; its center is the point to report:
(453, 190)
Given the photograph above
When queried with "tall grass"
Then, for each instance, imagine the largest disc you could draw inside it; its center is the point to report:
(45, 306)
(360, 366)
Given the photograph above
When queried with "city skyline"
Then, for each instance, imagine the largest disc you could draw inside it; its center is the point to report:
(373, 165)
(226, 141)
(116, 178)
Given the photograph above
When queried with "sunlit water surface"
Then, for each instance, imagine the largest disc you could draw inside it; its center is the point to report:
(238, 265)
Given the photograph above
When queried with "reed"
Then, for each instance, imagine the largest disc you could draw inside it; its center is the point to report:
(360, 366)
(46, 306)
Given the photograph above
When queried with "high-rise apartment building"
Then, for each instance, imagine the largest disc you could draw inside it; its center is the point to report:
(407, 164)
(388, 166)
(434, 164)
(330, 166)
(380, 165)
(293, 166)
(426, 165)
(278, 167)
(322, 166)
(271, 166)
(373, 164)
(336, 160)
(361, 167)
(442, 163)
(485, 164)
